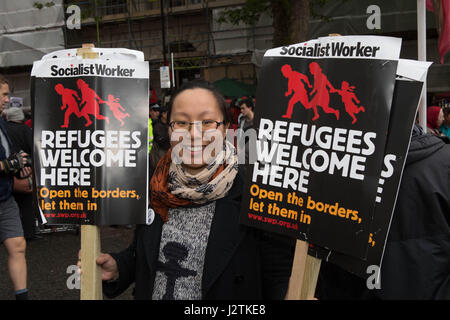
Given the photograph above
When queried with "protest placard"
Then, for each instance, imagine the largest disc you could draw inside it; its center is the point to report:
(84, 154)
(322, 115)
(90, 119)
(405, 103)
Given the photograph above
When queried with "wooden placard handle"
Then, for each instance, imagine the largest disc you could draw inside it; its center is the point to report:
(91, 278)
(304, 275)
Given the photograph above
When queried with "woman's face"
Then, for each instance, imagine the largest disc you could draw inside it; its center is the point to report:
(245, 110)
(196, 146)
(440, 119)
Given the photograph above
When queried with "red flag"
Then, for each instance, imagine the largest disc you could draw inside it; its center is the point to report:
(444, 39)
(153, 98)
(443, 22)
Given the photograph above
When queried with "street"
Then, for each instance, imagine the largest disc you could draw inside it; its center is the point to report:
(48, 260)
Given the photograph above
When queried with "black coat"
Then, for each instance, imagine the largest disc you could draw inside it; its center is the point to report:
(21, 136)
(161, 134)
(240, 262)
(416, 262)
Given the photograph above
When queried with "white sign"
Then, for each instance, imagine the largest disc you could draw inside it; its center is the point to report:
(165, 77)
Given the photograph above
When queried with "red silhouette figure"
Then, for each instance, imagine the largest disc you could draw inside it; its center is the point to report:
(348, 97)
(68, 101)
(116, 107)
(295, 84)
(90, 103)
(322, 97)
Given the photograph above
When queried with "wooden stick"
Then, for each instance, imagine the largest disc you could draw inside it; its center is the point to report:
(305, 271)
(298, 270)
(310, 277)
(86, 51)
(91, 278)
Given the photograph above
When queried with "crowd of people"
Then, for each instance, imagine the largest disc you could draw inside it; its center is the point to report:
(195, 247)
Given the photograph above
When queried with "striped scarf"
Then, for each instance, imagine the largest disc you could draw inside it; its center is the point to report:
(172, 186)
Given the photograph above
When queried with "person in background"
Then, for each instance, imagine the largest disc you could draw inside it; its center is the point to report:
(22, 140)
(11, 233)
(150, 134)
(161, 130)
(445, 127)
(28, 120)
(245, 123)
(246, 107)
(154, 111)
(416, 261)
(20, 134)
(435, 118)
(234, 112)
(195, 248)
(161, 141)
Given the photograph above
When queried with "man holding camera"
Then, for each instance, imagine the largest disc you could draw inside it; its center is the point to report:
(11, 232)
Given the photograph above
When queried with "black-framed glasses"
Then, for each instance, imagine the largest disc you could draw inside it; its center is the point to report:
(204, 125)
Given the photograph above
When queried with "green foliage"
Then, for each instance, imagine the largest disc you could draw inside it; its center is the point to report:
(249, 13)
(39, 5)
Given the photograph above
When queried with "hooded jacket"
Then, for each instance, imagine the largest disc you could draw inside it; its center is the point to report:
(416, 262)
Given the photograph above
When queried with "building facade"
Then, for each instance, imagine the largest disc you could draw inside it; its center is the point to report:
(188, 35)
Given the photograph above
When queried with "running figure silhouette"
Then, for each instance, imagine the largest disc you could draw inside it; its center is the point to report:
(322, 97)
(90, 103)
(68, 102)
(114, 105)
(348, 97)
(295, 84)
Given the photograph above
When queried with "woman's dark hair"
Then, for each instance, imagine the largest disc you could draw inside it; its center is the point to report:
(201, 84)
(3, 80)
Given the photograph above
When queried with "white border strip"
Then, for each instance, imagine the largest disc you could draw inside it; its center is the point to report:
(342, 47)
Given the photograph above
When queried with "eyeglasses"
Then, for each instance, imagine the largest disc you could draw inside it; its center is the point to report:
(205, 125)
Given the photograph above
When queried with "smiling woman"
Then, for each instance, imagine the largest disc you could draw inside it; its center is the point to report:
(198, 115)
(195, 247)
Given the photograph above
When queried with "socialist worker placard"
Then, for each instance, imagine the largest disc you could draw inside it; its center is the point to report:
(90, 140)
(404, 107)
(322, 116)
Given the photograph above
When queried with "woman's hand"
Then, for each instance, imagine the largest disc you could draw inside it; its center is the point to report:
(108, 265)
